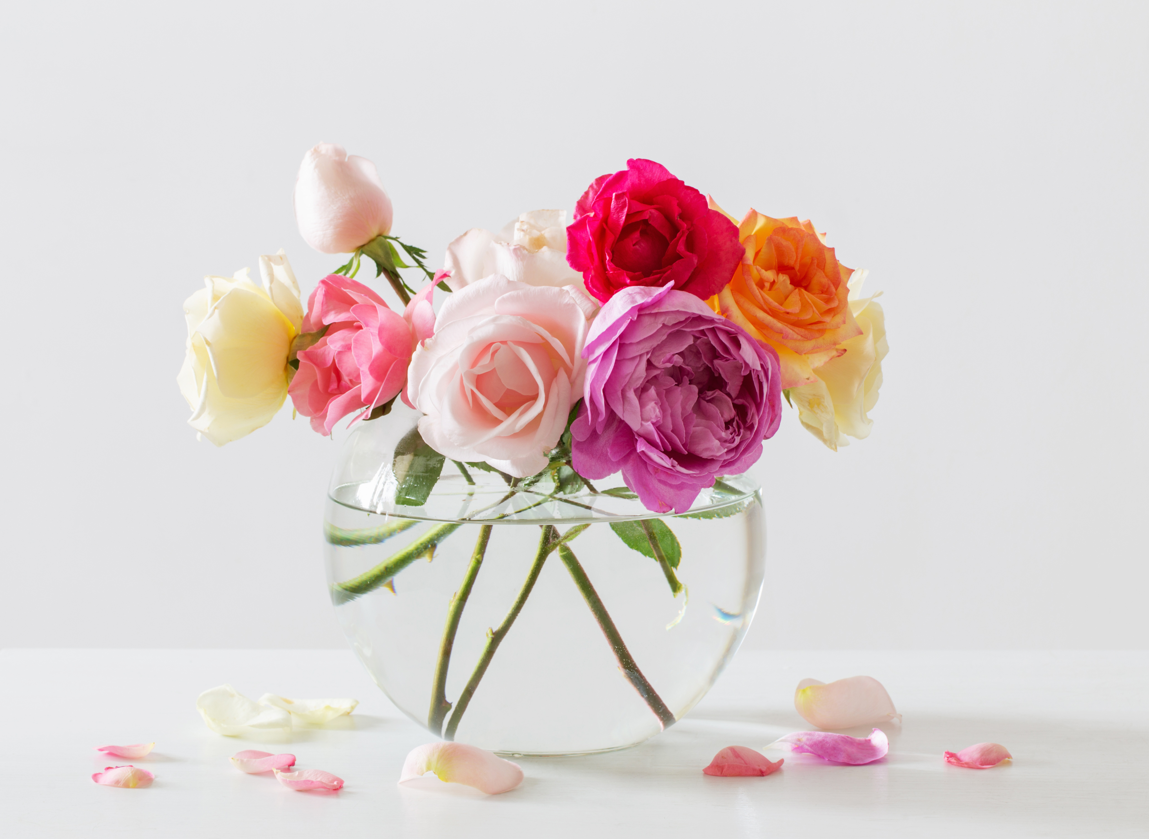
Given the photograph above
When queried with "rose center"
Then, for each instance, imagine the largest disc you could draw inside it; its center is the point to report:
(639, 248)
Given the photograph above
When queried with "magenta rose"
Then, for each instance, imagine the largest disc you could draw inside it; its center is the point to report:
(675, 396)
(644, 227)
(361, 360)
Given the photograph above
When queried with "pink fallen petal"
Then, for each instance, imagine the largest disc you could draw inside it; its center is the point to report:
(858, 700)
(310, 779)
(131, 752)
(981, 756)
(124, 776)
(738, 761)
(839, 748)
(458, 763)
(253, 762)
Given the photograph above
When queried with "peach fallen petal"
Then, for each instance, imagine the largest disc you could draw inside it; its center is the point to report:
(124, 776)
(741, 761)
(253, 762)
(981, 756)
(310, 779)
(458, 763)
(314, 711)
(839, 748)
(858, 700)
(134, 752)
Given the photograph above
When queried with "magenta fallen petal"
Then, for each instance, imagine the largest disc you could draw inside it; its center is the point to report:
(459, 763)
(736, 761)
(981, 756)
(124, 776)
(134, 752)
(253, 762)
(839, 748)
(310, 779)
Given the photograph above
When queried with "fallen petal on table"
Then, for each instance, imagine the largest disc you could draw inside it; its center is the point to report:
(314, 711)
(254, 762)
(133, 752)
(124, 776)
(740, 761)
(458, 763)
(858, 700)
(981, 756)
(838, 748)
(228, 712)
(310, 779)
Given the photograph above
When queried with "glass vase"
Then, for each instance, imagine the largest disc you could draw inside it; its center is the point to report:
(537, 617)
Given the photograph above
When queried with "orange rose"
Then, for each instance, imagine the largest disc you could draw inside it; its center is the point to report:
(789, 292)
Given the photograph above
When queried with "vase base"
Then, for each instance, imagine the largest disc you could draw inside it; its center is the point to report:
(514, 755)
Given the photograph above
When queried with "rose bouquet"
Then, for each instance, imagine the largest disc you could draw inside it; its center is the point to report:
(647, 336)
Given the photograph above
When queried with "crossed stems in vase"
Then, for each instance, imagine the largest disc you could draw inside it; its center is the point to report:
(549, 542)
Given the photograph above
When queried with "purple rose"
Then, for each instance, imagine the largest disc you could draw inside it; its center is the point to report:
(675, 396)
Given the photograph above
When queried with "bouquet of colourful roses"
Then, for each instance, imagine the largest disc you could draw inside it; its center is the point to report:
(651, 336)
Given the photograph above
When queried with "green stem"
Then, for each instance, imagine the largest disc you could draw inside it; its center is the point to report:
(463, 470)
(371, 536)
(382, 573)
(668, 572)
(625, 661)
(397, 285)
(439, 704)
(495, 636)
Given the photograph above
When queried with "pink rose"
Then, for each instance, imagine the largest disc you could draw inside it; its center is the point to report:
(340, 204)
(644, 227)
(676, 396)
(497, 381)
(361, 360)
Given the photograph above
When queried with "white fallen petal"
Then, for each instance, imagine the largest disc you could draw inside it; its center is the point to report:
(314, 711)
(858, 700)
(232, 714)
(458, 763)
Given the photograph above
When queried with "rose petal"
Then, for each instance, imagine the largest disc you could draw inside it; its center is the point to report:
(981, 756)
(230, 713)
(838, 748)
(457, 763)
(309, 779)
(124, 776)
(314, 711)
(133, 752)
(253, 762)
(739, 760)
(858, 700)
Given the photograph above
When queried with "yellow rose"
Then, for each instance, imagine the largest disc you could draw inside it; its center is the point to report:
(838, 402)
(235, 373)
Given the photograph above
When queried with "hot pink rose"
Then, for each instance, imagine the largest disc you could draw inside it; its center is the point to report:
(497, 382)
(361, 360)
(340, 204)
(675, 397)
(644, 227)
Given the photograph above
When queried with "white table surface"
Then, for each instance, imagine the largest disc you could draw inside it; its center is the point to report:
(1077, 724)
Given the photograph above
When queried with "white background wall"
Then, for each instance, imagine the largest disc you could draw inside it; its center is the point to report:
(986, 161)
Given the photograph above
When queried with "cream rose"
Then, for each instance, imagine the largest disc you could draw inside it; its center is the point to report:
(532, 249)
(235, 373)
(497, 380)
(838, 402)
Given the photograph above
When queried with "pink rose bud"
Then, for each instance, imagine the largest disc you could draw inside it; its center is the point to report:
(340, 204)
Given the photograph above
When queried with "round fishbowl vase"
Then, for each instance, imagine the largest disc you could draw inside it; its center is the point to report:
(540, 616)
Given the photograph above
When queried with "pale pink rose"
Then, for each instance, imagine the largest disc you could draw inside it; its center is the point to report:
(361, 360)
(340, 204)
(497, 380)
(531, 249)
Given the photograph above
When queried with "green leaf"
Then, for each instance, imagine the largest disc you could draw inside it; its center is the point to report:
(718, 512)
(381, 410)
(620, 492)
(786, 393)
(567, 480)
(417, 467)
(635, 536)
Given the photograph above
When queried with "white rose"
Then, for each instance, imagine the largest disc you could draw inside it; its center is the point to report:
(846, 390)
(497, 380)
(235, 373)
(532, 249)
